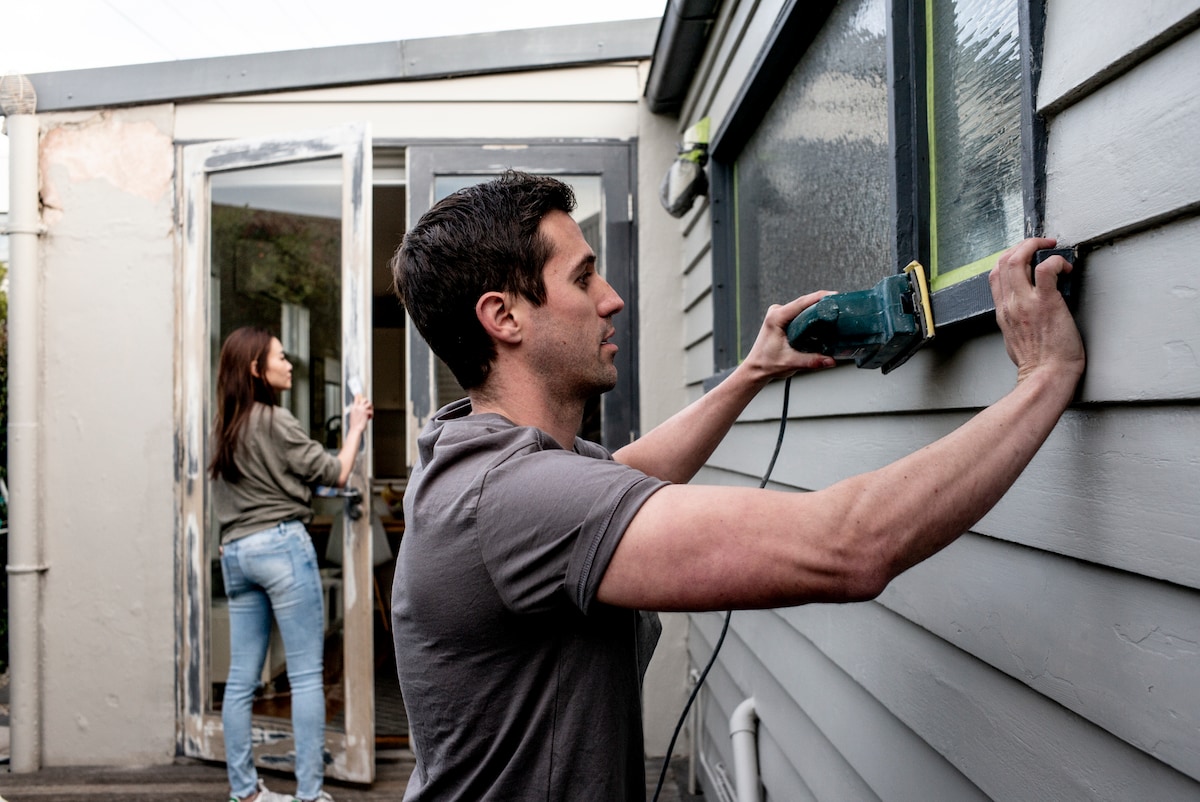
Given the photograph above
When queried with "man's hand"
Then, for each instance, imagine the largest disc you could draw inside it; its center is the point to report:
(678, 447)
(1039, 332)
(771, 357)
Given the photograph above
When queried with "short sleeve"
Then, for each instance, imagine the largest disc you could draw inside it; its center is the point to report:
(549, 522)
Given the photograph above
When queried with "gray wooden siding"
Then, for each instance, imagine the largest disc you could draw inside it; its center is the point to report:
(1051, 653)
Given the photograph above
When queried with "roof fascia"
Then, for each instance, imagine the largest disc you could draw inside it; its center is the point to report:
(686, 25)
(346, 65)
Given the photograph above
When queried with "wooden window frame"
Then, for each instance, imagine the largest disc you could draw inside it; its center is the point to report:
(798, 24)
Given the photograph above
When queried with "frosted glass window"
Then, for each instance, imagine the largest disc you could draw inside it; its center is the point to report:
(975, 132)
(811, 184)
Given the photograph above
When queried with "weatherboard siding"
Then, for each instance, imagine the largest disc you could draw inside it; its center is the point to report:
(1051, 652)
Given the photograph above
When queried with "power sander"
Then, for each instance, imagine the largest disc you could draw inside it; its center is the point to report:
(884, 326)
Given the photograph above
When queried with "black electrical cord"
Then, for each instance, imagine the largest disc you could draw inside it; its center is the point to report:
(662, 775)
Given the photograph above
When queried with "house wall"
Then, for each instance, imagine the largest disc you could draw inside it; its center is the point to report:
(582, 102)
(1050, 653)
(109, 296)
(107, 311)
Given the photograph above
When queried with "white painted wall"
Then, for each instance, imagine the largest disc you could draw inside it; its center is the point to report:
(583, 102)
(108, 423)
(663, 391)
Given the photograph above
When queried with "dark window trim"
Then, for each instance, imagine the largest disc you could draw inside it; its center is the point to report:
(972, 298)
(795, 29)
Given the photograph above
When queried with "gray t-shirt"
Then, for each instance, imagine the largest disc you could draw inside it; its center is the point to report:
(279, 463)
(519, 685)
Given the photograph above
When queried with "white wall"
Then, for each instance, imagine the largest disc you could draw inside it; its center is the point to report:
(663, 391)
(108, 423)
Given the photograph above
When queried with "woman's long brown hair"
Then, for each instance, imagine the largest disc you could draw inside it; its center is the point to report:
(237, 391)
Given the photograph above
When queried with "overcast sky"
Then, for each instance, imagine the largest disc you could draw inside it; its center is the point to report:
(52, 35)
(49, 35)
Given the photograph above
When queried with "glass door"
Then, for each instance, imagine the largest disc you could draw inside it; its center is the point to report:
(601, 176)
(276, 234)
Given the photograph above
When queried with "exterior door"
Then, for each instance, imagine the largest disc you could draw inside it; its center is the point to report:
(602, 176)
(276, 232)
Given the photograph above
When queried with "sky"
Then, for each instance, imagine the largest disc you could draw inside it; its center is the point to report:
(53, 35)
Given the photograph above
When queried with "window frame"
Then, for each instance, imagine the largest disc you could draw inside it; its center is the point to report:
(794, 31)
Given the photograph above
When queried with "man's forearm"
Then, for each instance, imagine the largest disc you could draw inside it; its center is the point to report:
(950, 484)
(678, 447)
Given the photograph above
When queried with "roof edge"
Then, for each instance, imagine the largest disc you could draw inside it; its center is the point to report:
(686, 25)
(346, 65)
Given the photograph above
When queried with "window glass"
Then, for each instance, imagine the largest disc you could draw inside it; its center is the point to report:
(975, 133)
(811, 185)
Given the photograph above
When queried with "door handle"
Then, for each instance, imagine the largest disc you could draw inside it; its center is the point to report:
(352, 497)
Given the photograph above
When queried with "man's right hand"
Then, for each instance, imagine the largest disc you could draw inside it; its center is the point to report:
(1039, 332)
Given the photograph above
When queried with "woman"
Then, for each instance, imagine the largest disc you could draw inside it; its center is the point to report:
(264, 465)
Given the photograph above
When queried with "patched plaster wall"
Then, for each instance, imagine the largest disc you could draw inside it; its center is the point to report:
(108, 334)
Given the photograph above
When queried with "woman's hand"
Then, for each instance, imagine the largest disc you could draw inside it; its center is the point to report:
(361, 411)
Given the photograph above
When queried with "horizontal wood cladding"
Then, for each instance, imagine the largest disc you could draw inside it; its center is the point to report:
(1116, 648)
(843, 740)
(1127, 156)
(743, 28)
(698, 361)
(697, 246)
(1139, 314)
(804, 750)
(1011, 742)
(1090, 41)
(698, 322)
(697, 282)
(1114, 486)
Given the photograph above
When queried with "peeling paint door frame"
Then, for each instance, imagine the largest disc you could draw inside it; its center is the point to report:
(199, 729)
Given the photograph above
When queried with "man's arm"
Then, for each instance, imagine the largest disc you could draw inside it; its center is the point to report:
(694, 548)
(677, 448)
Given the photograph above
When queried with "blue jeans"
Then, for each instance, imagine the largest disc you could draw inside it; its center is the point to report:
(274, 571)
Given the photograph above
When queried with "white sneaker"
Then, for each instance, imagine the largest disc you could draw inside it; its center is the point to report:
(321, 797)
(264, 795)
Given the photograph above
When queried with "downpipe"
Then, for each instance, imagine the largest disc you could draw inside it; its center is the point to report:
(25, 569)
(743, 732)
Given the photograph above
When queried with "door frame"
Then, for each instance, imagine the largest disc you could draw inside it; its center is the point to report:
(615, 162)
(199, 731)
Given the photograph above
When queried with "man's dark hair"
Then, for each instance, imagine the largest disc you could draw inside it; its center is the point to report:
(483, 238)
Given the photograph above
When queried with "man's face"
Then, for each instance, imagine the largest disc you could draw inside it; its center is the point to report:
(570, 334)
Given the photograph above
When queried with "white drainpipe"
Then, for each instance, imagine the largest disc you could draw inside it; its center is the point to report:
(25, 569)
(743, 731)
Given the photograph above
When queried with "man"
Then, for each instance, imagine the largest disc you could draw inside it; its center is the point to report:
(529, 551)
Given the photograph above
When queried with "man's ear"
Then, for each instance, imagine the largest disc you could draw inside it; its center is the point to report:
(495, 311)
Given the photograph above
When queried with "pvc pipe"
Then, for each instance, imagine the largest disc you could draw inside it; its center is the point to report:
(25, 568)
(743, 731)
